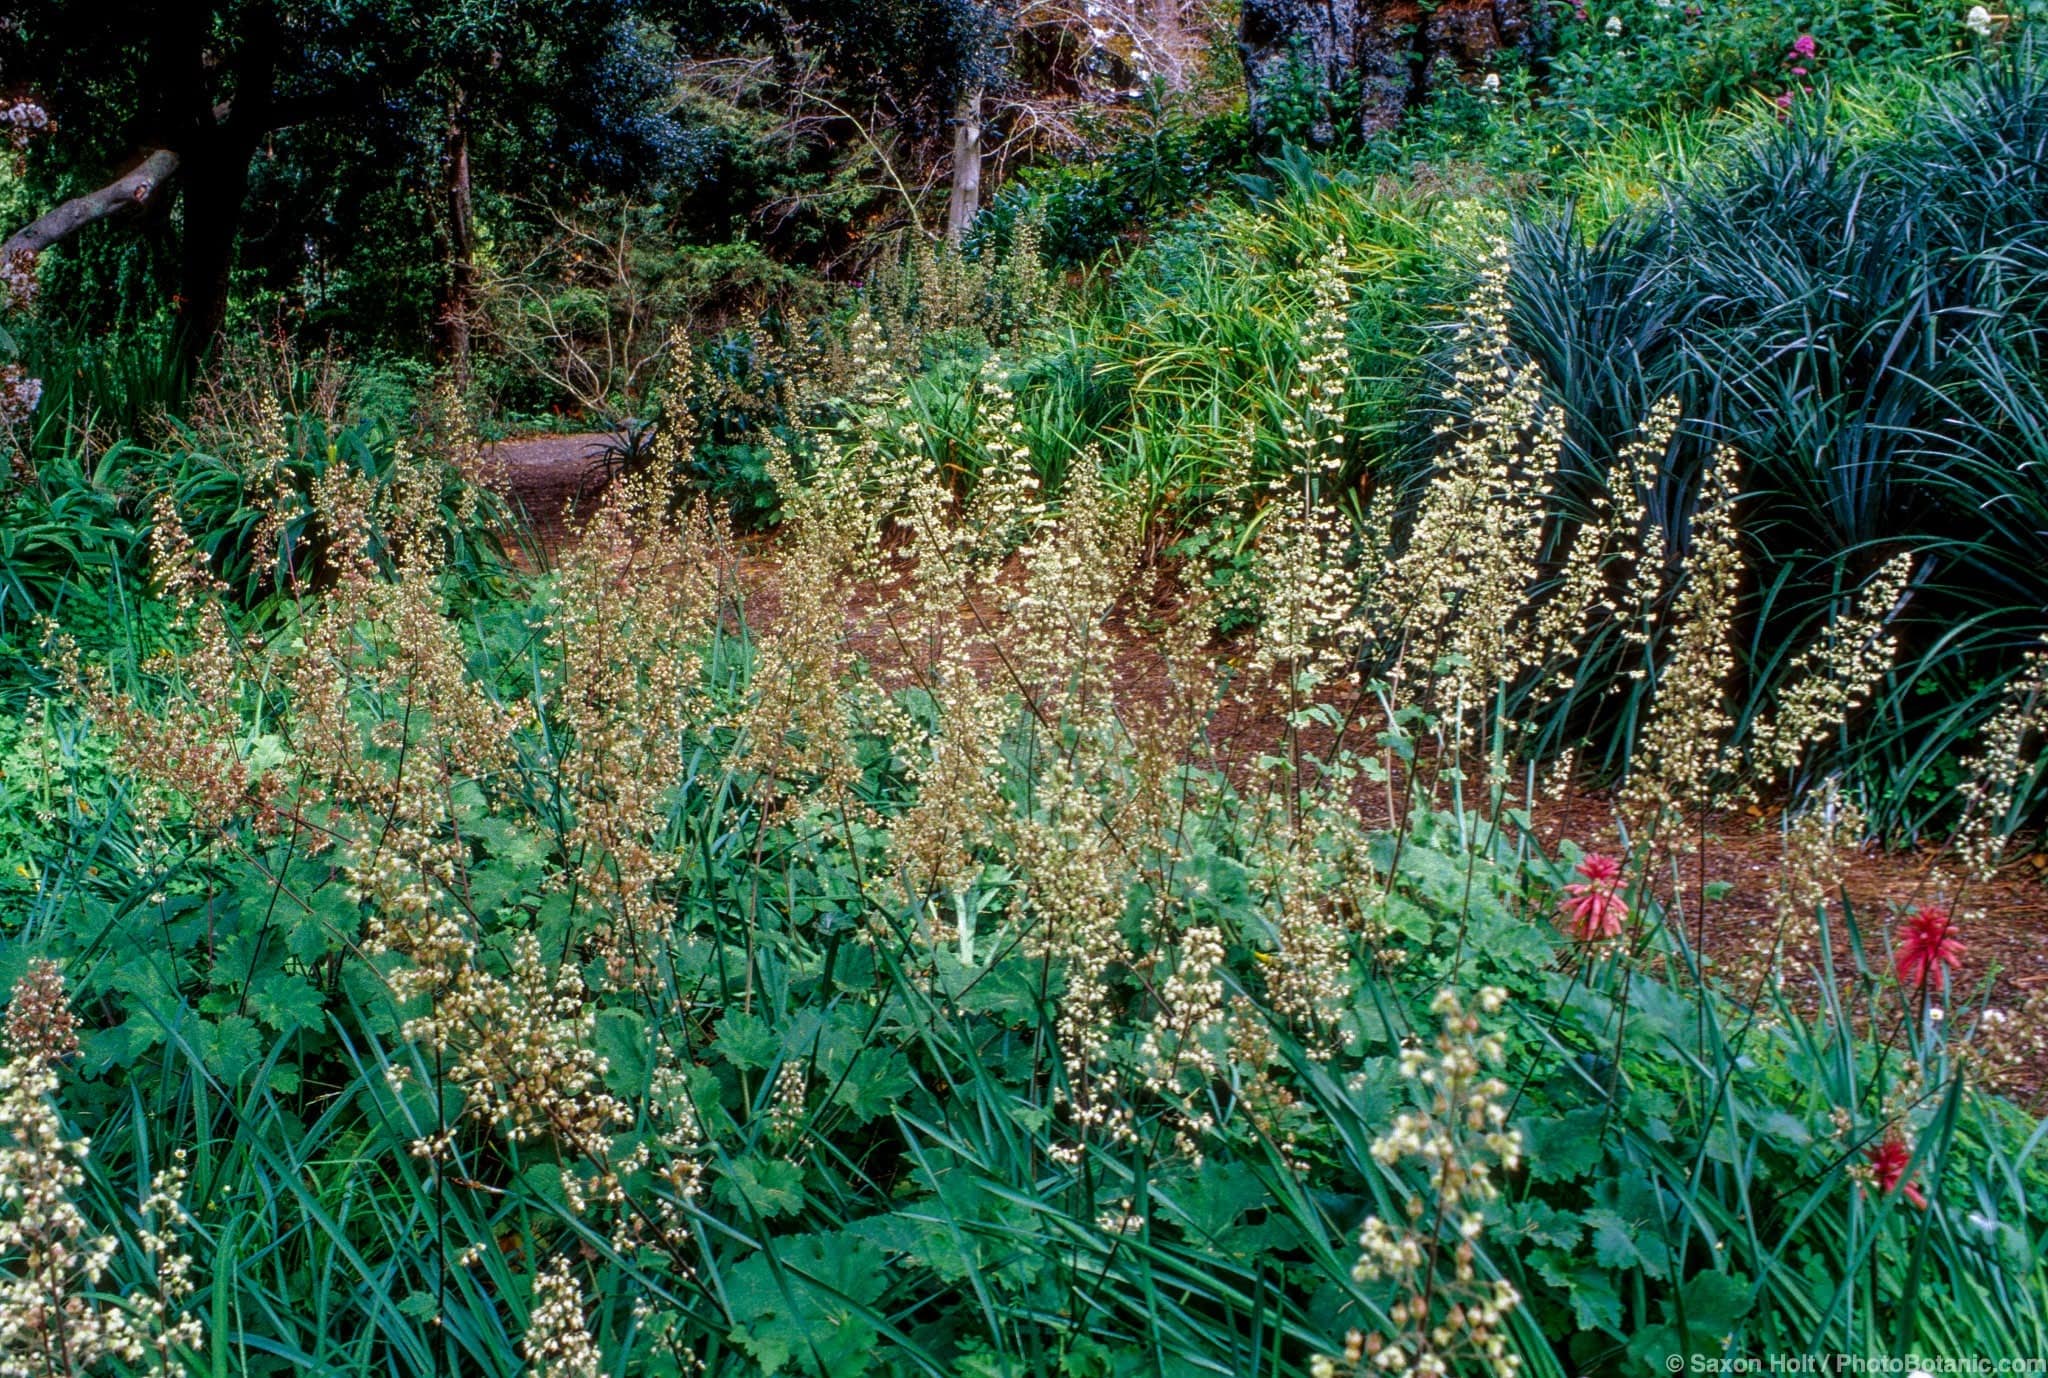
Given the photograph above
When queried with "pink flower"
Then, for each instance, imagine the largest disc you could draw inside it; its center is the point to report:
(1798, 71)
(1593, 908)
(1599, 867)
(1804, 47)
(1927, 944)
(1888, 1169)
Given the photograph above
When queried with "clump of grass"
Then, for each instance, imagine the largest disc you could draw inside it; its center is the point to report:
(1823, 302)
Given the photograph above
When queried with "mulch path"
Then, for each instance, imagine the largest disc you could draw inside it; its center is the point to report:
(551, 480)
(554, 480)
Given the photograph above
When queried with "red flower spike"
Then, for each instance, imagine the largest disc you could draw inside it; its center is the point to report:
(1594, 909)
(1888, 1162)
(1928, 945)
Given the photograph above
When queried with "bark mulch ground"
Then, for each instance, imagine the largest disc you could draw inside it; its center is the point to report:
(552, 481)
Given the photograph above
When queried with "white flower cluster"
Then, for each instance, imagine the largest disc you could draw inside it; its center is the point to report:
(2012, 745)
(1459, 588)
(558, 1343)
(1314, 430)
(57, 1266)
(24, 120)
(1444, 1317)
(786, 1102)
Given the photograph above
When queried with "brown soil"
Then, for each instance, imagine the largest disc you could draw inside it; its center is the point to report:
(2006, 935)
(551, 479)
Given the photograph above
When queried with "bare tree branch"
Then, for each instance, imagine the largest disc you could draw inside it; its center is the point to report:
(133, 191)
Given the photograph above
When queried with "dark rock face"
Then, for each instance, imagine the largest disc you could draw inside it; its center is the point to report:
(1368, 60)
(1288, 42)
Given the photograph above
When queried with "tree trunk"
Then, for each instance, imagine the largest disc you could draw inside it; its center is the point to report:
(221, 145)
(1322, 69)
(966, 202)
(132, 192)
(216, 186)
(457, 242)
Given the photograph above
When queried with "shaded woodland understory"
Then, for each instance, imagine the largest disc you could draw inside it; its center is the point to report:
(994, 689)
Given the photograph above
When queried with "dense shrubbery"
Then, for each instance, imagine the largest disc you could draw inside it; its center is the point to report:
(1084, 210)
(1612, 61)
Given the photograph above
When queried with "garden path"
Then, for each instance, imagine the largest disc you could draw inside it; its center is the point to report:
(552, 478)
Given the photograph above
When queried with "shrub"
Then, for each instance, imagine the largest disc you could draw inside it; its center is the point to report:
(1084, 210)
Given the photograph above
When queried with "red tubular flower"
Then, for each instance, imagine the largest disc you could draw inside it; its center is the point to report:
(1598, 867)
(1927, 944)
(1594, 909)
(1888, 1162)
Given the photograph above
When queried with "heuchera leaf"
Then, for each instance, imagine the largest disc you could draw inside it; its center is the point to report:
(769, 1186)
(877, 1080)
(620, 1037)
(287, 1002)
(1714, 1303)
(746, 1041)
(805, 1305)
(228, 1046)
(1566, 1147)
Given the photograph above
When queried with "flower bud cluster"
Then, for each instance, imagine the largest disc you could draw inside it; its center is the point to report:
(1445, 1315)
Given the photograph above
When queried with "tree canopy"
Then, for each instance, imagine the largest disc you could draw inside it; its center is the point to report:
(248, 118)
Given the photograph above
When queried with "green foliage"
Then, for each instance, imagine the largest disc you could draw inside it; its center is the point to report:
(77, 533)
(923, 1208)
(1302, 110)
(1867, 378)
(1180, 372)
(128, 384)
(1085, 210)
